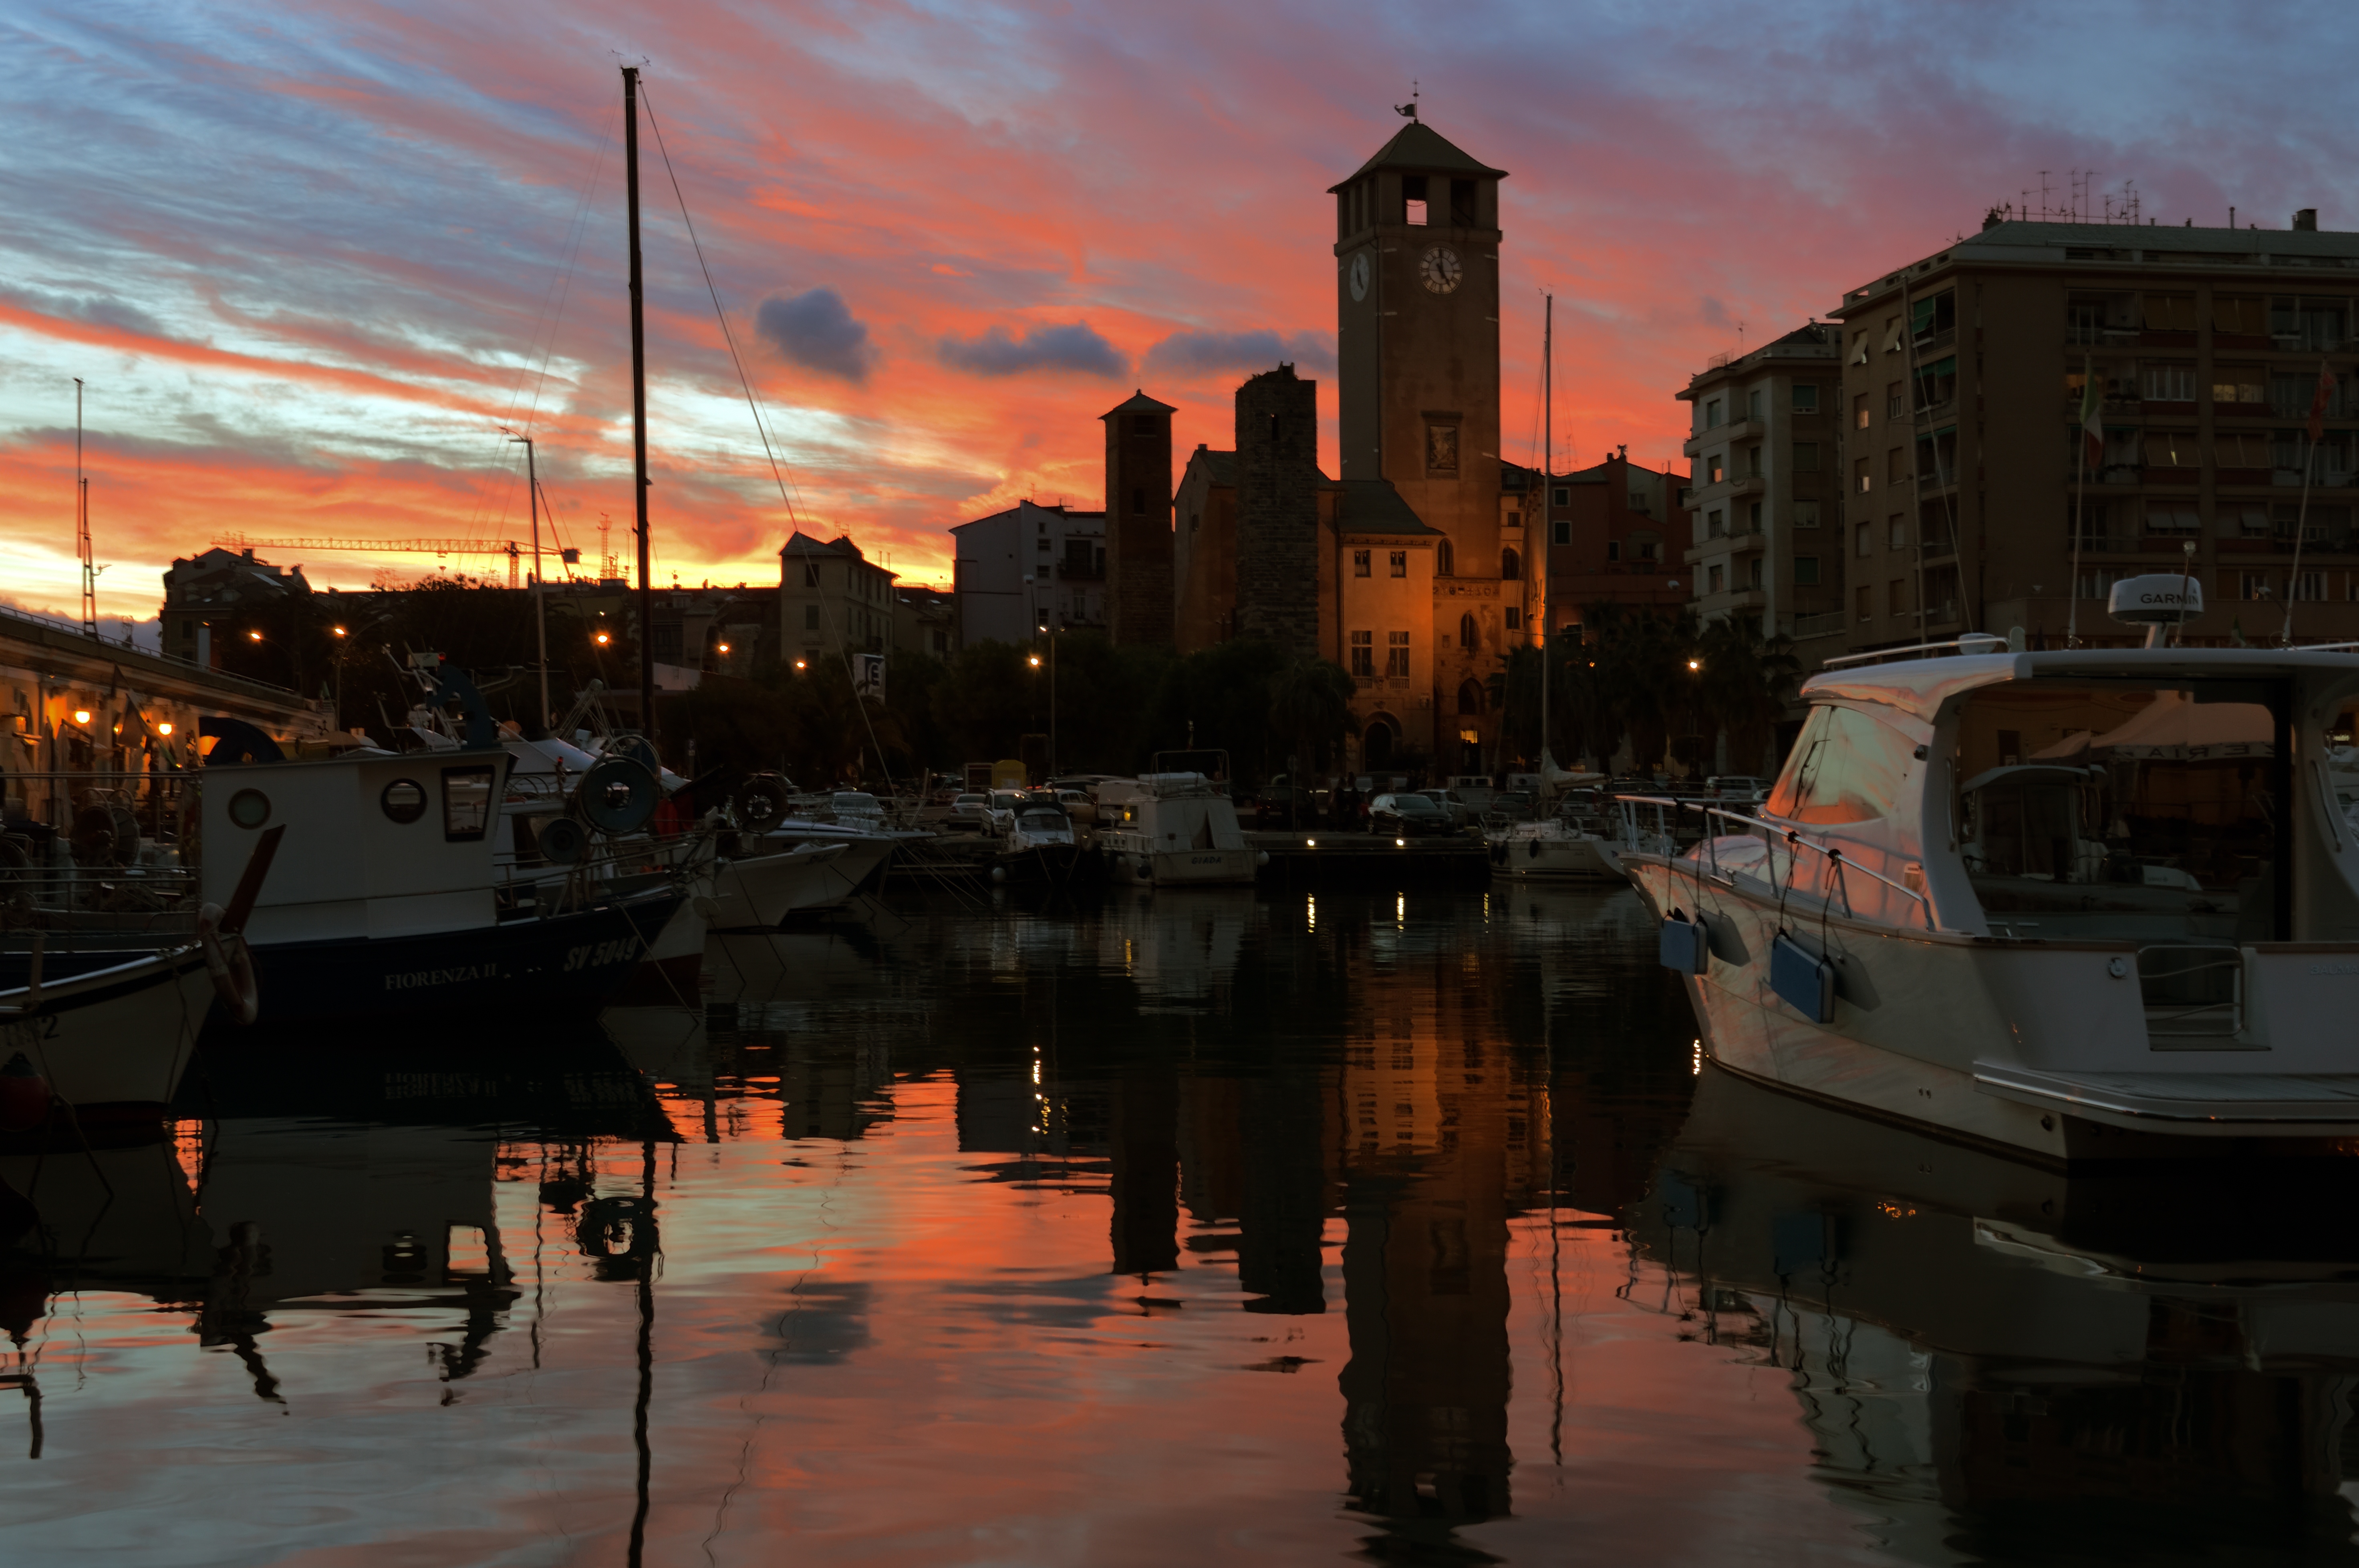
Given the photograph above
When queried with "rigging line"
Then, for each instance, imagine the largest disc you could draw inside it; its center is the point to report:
(842, 640)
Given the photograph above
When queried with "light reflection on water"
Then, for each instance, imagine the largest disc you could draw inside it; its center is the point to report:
(1155, 1231)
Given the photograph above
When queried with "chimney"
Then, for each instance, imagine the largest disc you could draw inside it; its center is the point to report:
(2305, 220)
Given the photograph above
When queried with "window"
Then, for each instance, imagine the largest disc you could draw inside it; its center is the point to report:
(1895, 597)
(2168, 312)
(466, 802)
(1396, 653)
(1895, 465)
(1445, 560)
(1806, 571)
(1562, 496)
(1715, 468)
(1866, 605)
(1138, 501)
(1413, 199)
(2309, 585)
(1892, 344)
(1892, 408)
(1859, 416)
(1896, 532)
(1360, 563)
(2169, 518)
(1755, 404)
(1441, 449)
(1400, 563)
(1864, 540)
(1642, 549)
(1467, 636)
(2252, 585)
(1753, 462)
(1846, 767)
(811, 574)
(1863, 479)
(1561, 532)
(2171, 450)
(810, 617)
(1715, 523)
(1937, 384)
(1363, 653)
(1753, 572)
(1613, 549)
(1514, 618)
(1712, 418)
(1043, 543)
(2170, 383)
(1806, 456)
(1511, 566)
(2241, 383)
(2243, 315)
(1713, 578)
(1930, 317)
(1753, 518)
(1806, 399)
(1515, 519)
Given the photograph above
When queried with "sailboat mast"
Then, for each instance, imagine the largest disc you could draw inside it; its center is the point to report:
(539, 605)
(1547, 503)
(639, 403)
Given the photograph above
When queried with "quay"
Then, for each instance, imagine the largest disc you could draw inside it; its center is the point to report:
(1305, 858)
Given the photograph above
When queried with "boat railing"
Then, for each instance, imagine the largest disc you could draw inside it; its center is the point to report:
(1970, 642)
(1840, 864)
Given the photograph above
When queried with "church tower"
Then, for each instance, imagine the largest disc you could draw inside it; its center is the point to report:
(1417, 292)
(1138, 520)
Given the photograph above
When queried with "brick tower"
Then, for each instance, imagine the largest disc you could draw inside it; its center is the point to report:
(1138, 520)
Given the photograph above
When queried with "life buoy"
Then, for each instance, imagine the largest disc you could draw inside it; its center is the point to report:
(231, 964)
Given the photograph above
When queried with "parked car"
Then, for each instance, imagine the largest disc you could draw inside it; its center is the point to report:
(1407, 815)
(1738, 788)
(967, 810)
(1279, 804)
(1514, 804)
(1457, 807)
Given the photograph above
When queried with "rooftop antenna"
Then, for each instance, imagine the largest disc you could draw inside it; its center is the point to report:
(1409, 111)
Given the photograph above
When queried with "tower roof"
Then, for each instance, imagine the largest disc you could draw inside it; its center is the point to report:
(1419, 147)
(1138, 403)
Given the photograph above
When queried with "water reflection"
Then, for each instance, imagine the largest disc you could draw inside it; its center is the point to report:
(1160, 1230)
(1998, 1362)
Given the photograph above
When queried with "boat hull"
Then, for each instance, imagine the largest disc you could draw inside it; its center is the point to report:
(570, 962)
(861, 867)
(1141, 867)
(113, 1041)
(1538, 857)
(2036, 1047)
(757, 893)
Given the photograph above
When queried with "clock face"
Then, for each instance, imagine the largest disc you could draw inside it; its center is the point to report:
(1440, 270)
(1360, 275)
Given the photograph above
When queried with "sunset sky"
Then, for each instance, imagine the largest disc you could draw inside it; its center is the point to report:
(309, 261)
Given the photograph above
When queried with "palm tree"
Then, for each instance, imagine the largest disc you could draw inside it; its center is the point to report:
(1310, 705)
(1744, 686)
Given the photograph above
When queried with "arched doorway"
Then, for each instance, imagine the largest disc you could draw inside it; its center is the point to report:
(1376, 741)
(1511, 566)
(1470, 698)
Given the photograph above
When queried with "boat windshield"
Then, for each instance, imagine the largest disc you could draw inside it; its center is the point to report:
(2123, 810)
(1041, 820)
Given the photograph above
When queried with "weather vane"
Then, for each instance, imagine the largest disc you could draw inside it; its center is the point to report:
(1408, 110)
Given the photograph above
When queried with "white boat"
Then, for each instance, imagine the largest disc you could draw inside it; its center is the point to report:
(2082, 903)
(1565, 845)
(865, 852)
(1170, 830)
(756, 892)
(111, 1040)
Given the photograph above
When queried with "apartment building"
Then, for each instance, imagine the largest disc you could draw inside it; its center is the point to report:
(831, 600)
(1607, 533)
(1763, 508)
(1027, 568)
(1969, 504)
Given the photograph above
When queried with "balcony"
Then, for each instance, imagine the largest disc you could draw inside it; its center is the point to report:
(1934, 342)
(1832, 623)
(1075, 571)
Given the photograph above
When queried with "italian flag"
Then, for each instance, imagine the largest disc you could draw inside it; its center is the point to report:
(2319, 398)
(2093, 413)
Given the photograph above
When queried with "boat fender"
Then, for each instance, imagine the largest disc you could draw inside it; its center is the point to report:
(1261, 856)
(1145, 868)
(999, 873)
(24, 1096)
(1534, 850)
(231, 963)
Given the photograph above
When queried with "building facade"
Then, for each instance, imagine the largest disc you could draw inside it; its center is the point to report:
(1969, 504)
(215, 590)
(1138, 546)
(1028, 567)
(831, 600)
(1604, 535)
(1761, 529)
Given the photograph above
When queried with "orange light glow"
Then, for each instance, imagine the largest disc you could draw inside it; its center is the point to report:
(165, 728)
(82, 715)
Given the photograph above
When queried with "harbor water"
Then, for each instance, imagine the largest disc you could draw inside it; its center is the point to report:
(1233, 1225)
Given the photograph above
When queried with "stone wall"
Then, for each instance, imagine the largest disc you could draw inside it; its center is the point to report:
(1277, 510)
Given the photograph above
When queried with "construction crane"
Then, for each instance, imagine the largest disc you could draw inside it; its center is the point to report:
(508, 547)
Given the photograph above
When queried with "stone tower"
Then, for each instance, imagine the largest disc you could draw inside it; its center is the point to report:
(1277, 510)
(1417, 291)
(1138, 520)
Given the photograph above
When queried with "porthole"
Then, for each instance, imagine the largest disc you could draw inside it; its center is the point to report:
(403, 801)
(249, 808)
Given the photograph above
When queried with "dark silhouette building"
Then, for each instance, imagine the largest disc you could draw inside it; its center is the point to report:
(1138, 520)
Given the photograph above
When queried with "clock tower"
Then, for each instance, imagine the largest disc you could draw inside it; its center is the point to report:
(1417, 290)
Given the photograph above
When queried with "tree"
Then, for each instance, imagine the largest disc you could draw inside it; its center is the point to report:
(1746, 683)
(1311, 709)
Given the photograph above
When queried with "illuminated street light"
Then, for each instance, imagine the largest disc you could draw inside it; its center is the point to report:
(724, 647)
(799, 664)
(165, 728)
(254, 636)
(1695, 664)
(82, 715)
(1034, 660)
(337, 629)
(602, 639)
